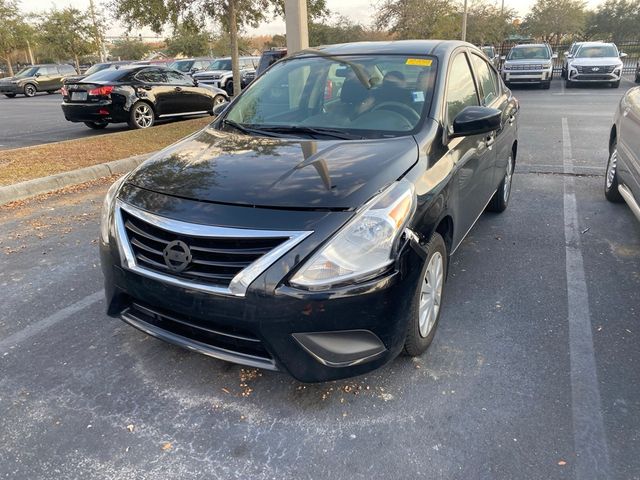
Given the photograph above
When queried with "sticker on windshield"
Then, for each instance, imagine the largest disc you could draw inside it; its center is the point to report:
(418, 96)
(420, 62)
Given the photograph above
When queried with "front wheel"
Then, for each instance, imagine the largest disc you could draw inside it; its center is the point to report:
(141, 116)
(96, 125)
(611, 191)
(218, 100)
(425, 311)
(500, 200)
(30, 90)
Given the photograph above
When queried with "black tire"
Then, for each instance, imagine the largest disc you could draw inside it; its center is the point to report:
(563, 74)
(51, 92)
(611, 191)
(96, 125)
(637, 78)
(10, 95)
(615, 84)
(568, 84)
(217, 100)
(30, 90)
(229, 88)
(415, 342)
(141, 116)
(546, 85)
(500, 200)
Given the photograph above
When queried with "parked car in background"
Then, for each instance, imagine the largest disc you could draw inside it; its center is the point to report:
(595, 62)
(191, 65)
(622, 180)
(98, 67)
(492, 54)
(138, 95)
(568, 55)
(529, 63)
(36, 78)
(268, 58)
(220, 74)
(313, 234)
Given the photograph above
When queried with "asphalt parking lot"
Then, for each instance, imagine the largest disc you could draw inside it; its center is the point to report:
(532, 374)
(37, 120)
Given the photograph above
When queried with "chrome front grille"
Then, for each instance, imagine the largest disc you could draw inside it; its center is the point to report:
(595, 69)
(203, 257)
(536, 66)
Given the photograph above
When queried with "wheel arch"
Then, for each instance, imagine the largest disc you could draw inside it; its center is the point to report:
(613, 136)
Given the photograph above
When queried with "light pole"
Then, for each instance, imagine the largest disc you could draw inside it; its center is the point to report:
(464, 22)
(295, 13)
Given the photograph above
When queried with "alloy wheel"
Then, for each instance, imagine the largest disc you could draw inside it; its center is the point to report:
(506, 190)
(218, 100)
(143, 116)
(29, 90)
(431, 294)
(611, 169)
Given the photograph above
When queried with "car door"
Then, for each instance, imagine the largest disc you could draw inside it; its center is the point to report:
(154, 85)
(492, 95)
(473, 156)
(187, 96)
(629, 141)
(47, 78)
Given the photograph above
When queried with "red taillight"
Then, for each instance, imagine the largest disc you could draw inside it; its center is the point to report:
(64, 91)
(101, 91)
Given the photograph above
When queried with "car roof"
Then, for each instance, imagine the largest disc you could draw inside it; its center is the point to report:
(398, 47)
(595, 44)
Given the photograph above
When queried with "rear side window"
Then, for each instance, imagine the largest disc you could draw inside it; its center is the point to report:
(152, 75)
(486, 78)
(66, 69)
(461, 90)
(48, 71)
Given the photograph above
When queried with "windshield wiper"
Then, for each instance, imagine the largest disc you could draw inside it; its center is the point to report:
(247, 130)
(327, 132)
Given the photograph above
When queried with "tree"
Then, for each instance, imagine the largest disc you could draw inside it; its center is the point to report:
(486, 24)
(615, 19)
(419, 18)
(232, 15)
(97, 30)
(342, 30)
(552, 19)
(189, 38)
(14, 31)
(129, 49)
(66, 33)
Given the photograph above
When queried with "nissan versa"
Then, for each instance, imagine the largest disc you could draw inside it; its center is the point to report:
(309, 229)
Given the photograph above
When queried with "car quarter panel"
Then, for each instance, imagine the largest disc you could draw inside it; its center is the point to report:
(629, 141)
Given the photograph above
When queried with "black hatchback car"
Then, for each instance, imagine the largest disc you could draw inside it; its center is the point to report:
(309, 229)
(137, 94)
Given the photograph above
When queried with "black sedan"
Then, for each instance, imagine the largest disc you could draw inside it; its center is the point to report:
(309, 229)
(138, 95)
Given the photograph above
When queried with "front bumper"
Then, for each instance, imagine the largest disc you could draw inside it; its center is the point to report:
(527, 76)
(314, 336)
(10, 88)
(614, 76)
(102, 111)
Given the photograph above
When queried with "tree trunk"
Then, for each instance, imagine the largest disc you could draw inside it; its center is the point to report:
(7, 60)
(233, 35)
(77, 63)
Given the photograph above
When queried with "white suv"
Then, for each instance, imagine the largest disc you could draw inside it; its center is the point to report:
(530, 63)
(595, 62)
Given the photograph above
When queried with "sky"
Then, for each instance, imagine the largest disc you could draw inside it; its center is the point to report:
(360, 11)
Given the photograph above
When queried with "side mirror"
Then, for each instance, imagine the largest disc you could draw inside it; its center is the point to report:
(195, 82)
(38, 74)
(622, 54)
(475, 121)
(555, 55)
(220, 108)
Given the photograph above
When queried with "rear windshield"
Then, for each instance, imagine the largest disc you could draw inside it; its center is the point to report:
(107, 75)
(597, 51)
(529, 53)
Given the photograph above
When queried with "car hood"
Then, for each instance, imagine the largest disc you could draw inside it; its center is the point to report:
(8, 79)
(527, 61)
(596, 61)
(222, 167)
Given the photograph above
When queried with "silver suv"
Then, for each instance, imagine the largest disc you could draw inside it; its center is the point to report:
(531, 63)
(595, 62)
(220, 75)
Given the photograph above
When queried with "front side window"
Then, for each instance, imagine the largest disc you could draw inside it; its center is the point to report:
(461, 90)
(487, 79)
(529, 53)
(373, 95)
(181, 65)
(27, 72)
(222, 64)
(597, 51)
(175, 78)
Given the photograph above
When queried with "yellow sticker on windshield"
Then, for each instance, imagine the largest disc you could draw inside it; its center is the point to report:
(420, 62)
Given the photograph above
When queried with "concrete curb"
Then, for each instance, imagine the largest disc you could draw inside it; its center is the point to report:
(38, 186)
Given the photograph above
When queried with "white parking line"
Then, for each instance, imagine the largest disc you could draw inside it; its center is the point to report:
(590, 441)
(37, 327)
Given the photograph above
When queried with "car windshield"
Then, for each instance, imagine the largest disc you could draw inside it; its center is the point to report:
(597, 51)
(96, 68)
(27, 72)
(529, 53)
(364, 95)
(222, 64)
(182, 65)
(488, 51)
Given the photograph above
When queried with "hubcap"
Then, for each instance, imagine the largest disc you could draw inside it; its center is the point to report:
(431, 294)
(30, 90)
(611, 171)
(143, 116)
(218, 100)
(507, 180)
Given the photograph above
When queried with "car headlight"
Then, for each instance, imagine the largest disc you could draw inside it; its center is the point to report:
(15, 82)
(506, 67)
(546, 65)
(107, 208)
(366, 245)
